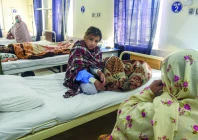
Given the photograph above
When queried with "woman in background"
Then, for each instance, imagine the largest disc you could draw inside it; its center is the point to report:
(169, 116)
(85, 64)
(19, 31)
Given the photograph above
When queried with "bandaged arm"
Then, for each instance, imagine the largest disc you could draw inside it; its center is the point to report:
(95, 71)
(85, 77)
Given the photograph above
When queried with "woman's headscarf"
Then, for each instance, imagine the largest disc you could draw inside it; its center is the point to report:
(180, 79)
(20, 31)
(179, 74)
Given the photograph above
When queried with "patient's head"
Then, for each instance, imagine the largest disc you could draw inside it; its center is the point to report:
(4, 49)
(179, 74)
(8, 49)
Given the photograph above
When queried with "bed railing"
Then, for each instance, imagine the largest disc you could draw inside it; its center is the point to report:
(49, 35)
(153, 61)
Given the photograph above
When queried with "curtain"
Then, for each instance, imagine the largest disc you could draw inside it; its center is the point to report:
(57, 19)
(38, 18)
(60, 10)
(0, 32)
(135, 24)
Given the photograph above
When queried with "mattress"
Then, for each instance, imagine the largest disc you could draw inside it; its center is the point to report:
(12, 67)
(51, 90)
(4, 41)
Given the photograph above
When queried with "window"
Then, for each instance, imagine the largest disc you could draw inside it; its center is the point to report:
(133, 21)
(140, 27)
(156, 40)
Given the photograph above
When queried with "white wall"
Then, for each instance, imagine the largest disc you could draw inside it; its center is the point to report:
(178, 30)
(82, 21)
(23, 8)
(49, 16)
(30, 22)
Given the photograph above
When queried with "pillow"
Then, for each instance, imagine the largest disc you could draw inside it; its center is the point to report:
(15, 95)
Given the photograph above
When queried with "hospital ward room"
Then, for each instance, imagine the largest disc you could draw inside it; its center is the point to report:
(98, 70)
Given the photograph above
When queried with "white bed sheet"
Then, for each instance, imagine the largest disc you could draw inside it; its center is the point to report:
(4, 41)
(51, 89)
(14, 125)
(27, 63)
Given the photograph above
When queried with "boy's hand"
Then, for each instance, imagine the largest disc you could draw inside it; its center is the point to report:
(99, 86)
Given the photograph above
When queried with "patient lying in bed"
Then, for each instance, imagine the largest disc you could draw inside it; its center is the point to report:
(29, 50)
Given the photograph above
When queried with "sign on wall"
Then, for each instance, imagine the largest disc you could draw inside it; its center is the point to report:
(176, 7)
(14, 10)
(82, 9)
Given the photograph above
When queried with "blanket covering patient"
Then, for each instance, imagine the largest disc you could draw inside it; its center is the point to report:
(28, 50)
(169, 116)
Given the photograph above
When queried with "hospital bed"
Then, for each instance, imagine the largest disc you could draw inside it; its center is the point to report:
(23, 65)
(60, 114)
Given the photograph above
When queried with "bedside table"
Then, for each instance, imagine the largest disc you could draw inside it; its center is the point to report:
(108, 52)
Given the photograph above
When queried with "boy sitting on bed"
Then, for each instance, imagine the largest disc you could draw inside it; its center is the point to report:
(88, 74)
